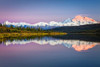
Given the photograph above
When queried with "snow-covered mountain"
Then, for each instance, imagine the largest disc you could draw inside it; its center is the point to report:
(77, 21)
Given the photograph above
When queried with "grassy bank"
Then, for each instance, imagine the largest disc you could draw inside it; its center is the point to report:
(5, 35)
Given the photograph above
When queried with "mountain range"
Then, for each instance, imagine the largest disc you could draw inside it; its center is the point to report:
(77, 21)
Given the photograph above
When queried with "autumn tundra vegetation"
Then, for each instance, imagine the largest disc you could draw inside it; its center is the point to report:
(20, 31)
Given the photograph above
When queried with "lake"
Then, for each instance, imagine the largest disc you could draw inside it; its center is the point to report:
(72, 50)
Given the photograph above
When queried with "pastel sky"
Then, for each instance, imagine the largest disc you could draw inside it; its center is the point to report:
(33, 11)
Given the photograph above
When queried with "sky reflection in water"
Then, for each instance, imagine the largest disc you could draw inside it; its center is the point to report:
(49, 52)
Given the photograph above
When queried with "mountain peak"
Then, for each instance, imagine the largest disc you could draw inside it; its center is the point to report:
(83, 19)
(78, 17)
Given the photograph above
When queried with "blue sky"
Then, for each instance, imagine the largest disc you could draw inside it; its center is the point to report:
(33, 11)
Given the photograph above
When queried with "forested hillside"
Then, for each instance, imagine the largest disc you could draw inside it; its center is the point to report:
(93, 28)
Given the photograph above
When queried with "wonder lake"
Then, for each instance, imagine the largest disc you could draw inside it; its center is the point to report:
(51, 51)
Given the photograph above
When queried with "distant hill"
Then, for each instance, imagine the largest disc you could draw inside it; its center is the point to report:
(92, 28)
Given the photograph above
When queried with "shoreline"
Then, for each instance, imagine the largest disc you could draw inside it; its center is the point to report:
(5, 35)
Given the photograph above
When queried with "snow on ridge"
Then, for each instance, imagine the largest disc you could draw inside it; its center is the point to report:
(77, 21)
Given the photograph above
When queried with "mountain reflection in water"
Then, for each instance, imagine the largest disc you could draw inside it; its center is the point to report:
(78, 45)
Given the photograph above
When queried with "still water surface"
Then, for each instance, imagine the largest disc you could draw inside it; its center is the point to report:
(56, 51)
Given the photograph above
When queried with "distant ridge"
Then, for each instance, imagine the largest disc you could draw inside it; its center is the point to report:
(91, 28)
